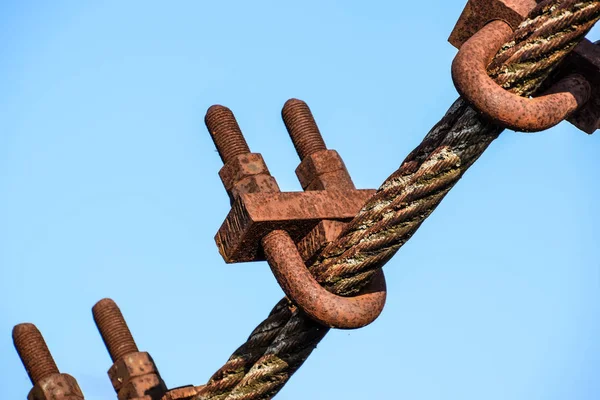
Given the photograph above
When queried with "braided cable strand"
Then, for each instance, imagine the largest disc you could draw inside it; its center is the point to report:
(279, 346)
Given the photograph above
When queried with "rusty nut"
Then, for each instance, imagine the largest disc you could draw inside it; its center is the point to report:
(241, 167)
(56, 387)
(322, 170)
(254, 184)
(131, 366)
(141, 386)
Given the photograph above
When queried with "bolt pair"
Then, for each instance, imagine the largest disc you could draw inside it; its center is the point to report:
(290, 229)
(134, 375)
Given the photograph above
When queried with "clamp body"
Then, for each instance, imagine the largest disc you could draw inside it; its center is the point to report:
(289, 229)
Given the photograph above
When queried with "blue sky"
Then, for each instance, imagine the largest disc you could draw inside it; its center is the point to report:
(109, 188)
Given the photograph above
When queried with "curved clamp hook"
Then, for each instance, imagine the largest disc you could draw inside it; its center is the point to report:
(325, 307)
(501, 106)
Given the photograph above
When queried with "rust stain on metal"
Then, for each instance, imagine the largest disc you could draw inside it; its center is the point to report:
(113, 329)
(318, 238)
(56, 387)
(133, 374)
(302, 128)
(505, 108)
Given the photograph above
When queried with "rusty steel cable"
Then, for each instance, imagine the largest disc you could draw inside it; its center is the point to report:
(281, 343)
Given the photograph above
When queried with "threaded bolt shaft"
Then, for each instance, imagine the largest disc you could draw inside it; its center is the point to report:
(33, 352)
(113, 329)
(302, 128)
(225, 132)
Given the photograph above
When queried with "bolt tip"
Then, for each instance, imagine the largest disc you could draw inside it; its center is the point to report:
(293, 101)
(215, 114)
(22, 329)
(103, 305)
(225, 132)
(33, 351)
(303, 129)
(216, 108)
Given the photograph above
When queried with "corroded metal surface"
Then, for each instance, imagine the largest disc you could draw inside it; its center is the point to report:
(324, 307)
(253, 215)
(321, 235)
(324, 170)
(56, 387)
(113, 329)
(501, 106)
(220, 123)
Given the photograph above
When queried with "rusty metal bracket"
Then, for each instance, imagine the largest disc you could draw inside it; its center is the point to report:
(580, 108)
(288, 229)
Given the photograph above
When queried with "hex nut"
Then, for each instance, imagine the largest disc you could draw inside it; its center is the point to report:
(56, 387)
(131, 366)
(320, 164)
(262, 183)
(336, 180)
(241, 167)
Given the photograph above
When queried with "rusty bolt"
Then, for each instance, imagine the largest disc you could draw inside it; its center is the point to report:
(242, 172)
(48, 382)
(302, 128)
(56, 387)
(320, 168)
(33, 352)
(225, 132)
(113, 329)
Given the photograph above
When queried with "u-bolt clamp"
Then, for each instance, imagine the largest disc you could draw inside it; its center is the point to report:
(483, 27)
(289, 229)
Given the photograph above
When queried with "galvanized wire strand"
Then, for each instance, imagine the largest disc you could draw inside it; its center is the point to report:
(275, 350)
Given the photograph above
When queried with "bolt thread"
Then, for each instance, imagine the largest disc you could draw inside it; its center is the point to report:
(113, 329)
(225, 132)
(33, 352)
(302, 128)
